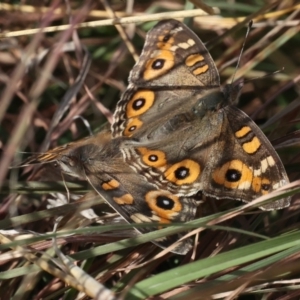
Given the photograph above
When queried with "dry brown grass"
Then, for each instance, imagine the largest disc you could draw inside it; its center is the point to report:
(39, 66)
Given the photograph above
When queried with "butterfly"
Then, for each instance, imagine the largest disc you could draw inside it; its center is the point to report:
(98, 160)
(176, 135)
(185, 134)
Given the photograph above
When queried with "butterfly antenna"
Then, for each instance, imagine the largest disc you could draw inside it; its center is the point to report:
(242, 50)
(85, 122)
(266, 75)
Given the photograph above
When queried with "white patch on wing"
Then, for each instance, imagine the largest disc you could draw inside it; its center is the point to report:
(140, 218)
(184, 45)
(191, 42)
(244, 185)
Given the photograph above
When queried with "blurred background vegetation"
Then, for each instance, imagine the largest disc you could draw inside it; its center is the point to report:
(251, 256)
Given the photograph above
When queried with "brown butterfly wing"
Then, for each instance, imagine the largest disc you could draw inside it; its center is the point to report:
(173, 66)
